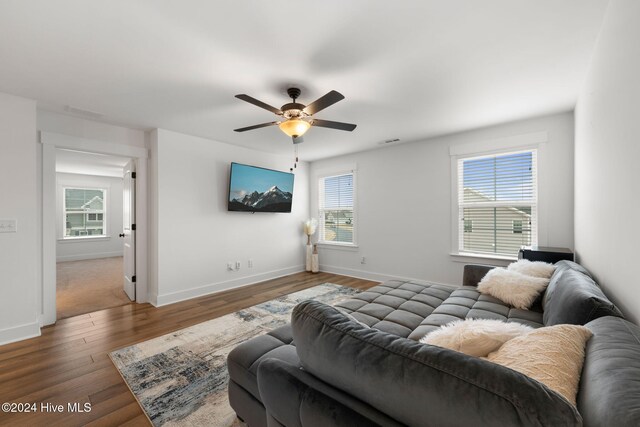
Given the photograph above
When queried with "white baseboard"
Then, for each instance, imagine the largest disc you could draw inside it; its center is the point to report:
(19, 333)
(82, 257)
(212, 288)
(152, 298)
(376, 277)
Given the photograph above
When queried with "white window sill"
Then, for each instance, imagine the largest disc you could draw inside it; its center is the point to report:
(480, 258)
(338, 246)
(79, 239)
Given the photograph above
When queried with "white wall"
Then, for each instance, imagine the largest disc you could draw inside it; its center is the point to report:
(197, 236)
(18, 200)
(413, 181)
(79, 249)
(607, 175)
(48, 121)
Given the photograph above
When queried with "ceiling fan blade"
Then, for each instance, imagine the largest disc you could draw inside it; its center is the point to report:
(260, 104)
(333, 125)
(261, 125)
(297, 139)
(323, 102)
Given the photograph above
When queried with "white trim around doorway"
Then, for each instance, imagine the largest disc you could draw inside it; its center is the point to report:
(52, 141)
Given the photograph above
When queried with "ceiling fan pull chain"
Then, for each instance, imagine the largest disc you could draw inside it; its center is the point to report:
(295, 163)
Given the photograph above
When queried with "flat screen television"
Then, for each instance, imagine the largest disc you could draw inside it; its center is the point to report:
(254, 189)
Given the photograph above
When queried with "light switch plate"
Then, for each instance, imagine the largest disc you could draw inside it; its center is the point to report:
(8, 226)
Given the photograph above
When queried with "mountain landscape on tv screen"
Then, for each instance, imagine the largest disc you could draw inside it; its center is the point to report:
(272, 200)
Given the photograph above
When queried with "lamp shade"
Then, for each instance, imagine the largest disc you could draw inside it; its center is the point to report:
(294, 127)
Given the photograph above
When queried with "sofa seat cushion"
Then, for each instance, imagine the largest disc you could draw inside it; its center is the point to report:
(609, 393)
(467, 303)
(397, 307)
(402, 308)
(243, 360)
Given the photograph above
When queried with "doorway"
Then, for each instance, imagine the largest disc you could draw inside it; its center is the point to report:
(87, 276)
(93, 207)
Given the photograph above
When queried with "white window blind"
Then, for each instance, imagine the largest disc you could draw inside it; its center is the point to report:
(497, 203)
(337, 219)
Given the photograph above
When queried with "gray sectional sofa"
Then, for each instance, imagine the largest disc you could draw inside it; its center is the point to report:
(327, 369)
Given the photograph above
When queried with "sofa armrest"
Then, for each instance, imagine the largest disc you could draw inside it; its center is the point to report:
(609, 393)
(473, 273)
(420, 384)
(294, 398)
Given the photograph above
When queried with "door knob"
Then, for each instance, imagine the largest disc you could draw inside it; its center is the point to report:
(121, 234)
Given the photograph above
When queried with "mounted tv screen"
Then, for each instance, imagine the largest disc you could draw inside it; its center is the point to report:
(254, 189)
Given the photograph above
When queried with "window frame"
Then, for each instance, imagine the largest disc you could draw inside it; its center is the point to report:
(104, 213)
(457, 208)
(354, 233)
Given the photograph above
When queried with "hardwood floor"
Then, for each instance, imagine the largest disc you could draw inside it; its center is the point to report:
(69, 363)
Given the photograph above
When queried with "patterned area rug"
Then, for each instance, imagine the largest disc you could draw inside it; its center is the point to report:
(180, 379)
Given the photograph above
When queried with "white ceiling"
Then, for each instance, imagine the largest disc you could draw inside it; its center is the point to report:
(78, 162)
(408, 69)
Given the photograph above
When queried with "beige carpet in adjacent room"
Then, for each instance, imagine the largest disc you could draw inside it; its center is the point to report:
(89, 285)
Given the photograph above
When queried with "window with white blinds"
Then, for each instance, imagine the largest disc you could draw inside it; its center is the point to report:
(497, 203)
(337, 211)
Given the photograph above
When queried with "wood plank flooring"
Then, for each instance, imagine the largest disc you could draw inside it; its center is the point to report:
(69, 363)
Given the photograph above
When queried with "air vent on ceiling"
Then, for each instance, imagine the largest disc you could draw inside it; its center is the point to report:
(83, 112)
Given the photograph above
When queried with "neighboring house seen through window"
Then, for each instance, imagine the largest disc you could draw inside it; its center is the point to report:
(84, 212)
(337, 219)
(517, 226)
(497, 203)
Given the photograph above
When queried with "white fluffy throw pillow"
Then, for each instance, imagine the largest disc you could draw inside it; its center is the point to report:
(532, 268)
(514, 288)
(475, 337)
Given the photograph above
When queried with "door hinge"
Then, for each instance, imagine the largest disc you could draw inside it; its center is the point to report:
(133, 175)
(133, 227)
(133, 279)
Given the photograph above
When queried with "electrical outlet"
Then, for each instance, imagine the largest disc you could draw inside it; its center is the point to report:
(364, 260)
(229, 266)
(250, 263)
(238, 265)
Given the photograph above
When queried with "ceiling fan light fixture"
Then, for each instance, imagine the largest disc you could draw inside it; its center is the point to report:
(295, 119)
(294, 127)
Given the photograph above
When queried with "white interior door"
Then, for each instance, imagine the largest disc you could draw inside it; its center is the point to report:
(129, 229)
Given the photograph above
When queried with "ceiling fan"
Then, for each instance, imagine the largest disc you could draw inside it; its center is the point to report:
(298, 118)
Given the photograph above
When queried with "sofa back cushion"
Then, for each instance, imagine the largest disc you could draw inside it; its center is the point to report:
(573, 297)
(609, 393)
(419, 384)
(561, 267)
(570, 265)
